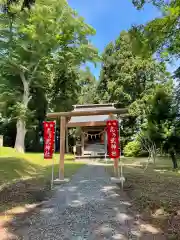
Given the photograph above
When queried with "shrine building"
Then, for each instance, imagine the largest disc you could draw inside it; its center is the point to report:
(92, 137)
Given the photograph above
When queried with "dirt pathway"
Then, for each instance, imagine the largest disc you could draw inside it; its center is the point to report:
(87, 207)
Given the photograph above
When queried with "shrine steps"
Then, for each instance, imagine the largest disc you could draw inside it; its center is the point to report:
(91, 158)
(95, 149)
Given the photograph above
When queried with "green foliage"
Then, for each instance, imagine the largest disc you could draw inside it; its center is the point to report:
(87, 87)
(132, 149)
(125, 75)
(140, 3)
(130, 77)
(64, 90)
(162, 34)
(41, 50)
(161, 116)
(177, 78)
(38, 44)
(8, 130)
(160, 128)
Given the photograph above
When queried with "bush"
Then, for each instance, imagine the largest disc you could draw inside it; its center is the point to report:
(132, 149)
(143, 154)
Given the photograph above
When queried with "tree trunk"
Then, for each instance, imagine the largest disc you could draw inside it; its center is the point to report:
(20, 135)
(154, 158)
(21, 122)
(174, 159)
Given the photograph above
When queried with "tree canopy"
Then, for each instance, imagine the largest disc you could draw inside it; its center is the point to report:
(126, 76)
(40, 48)
(44, 46)
(162, 34)
(160, 37)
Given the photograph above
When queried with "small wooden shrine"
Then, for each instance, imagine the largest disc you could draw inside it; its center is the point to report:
(92, 120)
(92, 139)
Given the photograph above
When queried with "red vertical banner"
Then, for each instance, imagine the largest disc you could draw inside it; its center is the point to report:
(113, 139)
(49, 138)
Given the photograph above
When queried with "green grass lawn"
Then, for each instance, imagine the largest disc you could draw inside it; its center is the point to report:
(32, 170)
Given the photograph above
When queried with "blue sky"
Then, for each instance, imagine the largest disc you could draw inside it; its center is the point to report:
(109, 18)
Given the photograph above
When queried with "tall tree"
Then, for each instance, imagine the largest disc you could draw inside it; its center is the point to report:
(162, 36)
(128, 77)
(64, 90)
(32, 44)
(125, 75)
(162, 122)
(87, 87)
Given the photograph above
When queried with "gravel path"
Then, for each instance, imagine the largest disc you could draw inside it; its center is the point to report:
(85, 208)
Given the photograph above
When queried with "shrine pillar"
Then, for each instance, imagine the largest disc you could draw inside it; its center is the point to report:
(82, 143)
(105, 142)
(62, 147)
(67, 142)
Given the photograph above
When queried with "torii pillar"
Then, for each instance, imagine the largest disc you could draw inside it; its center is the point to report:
(62, 147)
(63, 118)
(61, 178)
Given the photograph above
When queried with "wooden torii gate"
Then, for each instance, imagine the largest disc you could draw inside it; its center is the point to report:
(65, 117)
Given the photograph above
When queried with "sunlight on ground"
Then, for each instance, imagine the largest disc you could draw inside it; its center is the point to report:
(9, 214)
(30, 172)
(16, 166)
(149, 228)
(154, 194)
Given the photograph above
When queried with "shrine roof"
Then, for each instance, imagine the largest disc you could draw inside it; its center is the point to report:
(91, 107)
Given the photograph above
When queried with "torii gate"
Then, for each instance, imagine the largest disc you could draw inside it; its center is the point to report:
(65, 116)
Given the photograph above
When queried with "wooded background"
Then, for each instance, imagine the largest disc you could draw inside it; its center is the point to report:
(43, 48)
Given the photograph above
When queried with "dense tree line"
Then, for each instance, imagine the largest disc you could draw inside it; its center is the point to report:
(42, 48)
(134, 75)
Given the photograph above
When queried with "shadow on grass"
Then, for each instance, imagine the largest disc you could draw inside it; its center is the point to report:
(14, 168)
(23, 182)
(156, 196)
(102, 218)
(166, 169)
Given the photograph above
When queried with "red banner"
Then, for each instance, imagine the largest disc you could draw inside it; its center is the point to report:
(49, 136)
(112, 139)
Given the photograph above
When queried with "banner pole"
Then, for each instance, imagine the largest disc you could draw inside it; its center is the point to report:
(52, 176)
(119, 150)
(105, 142)
(122, 179)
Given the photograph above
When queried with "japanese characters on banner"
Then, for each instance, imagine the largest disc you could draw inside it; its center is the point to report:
(49, 137)
(112, 139)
